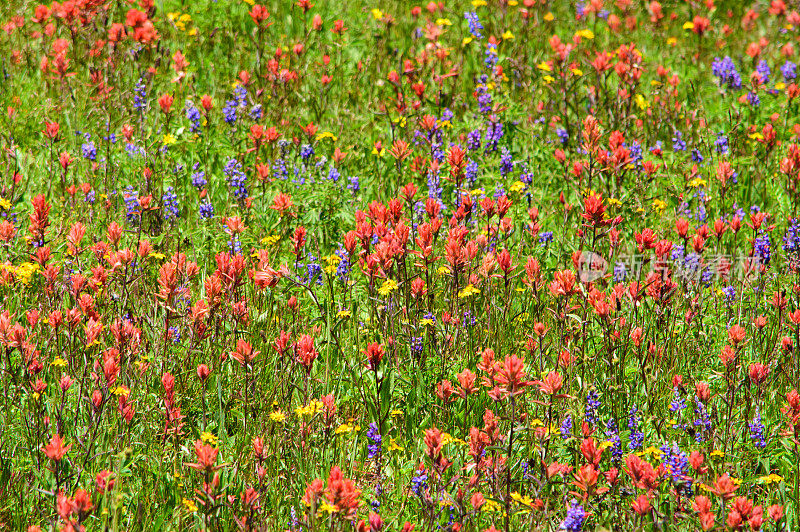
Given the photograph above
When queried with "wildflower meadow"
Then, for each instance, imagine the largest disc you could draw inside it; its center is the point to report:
(488, 265)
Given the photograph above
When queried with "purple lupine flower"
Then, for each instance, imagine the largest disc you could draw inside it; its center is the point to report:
(375, 438)
(725, 70)
(757, 431)
(475, 25)
(576, 515)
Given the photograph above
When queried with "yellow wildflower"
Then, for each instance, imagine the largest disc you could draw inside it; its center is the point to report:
(25, 271)
(517, 186)
(326, 135)
(468, 291)
(659, 205)
(388, 286)
(209, 438)
(771, 478)
(327, 507)
(309, 410)
(270, 240)
(527, 501)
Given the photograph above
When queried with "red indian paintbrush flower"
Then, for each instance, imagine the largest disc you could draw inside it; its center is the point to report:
(55, 450)
(206, 457)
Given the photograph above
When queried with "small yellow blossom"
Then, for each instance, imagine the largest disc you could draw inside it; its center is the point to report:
(655, 451)
(527, 501)
(508, 36)
(345, 428)
(491, 506)
(517, 186)
(468, 291)
(770, 479)
(25, 271)
(388, 286)
(327, 507)
(277, 417)
(309, 410)
(189, 505)
(377, 14)
(58, 362)
(326, 135)
(659, 205)
(270, 240)
(209, 438)
(443, 22)
(548, 17)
